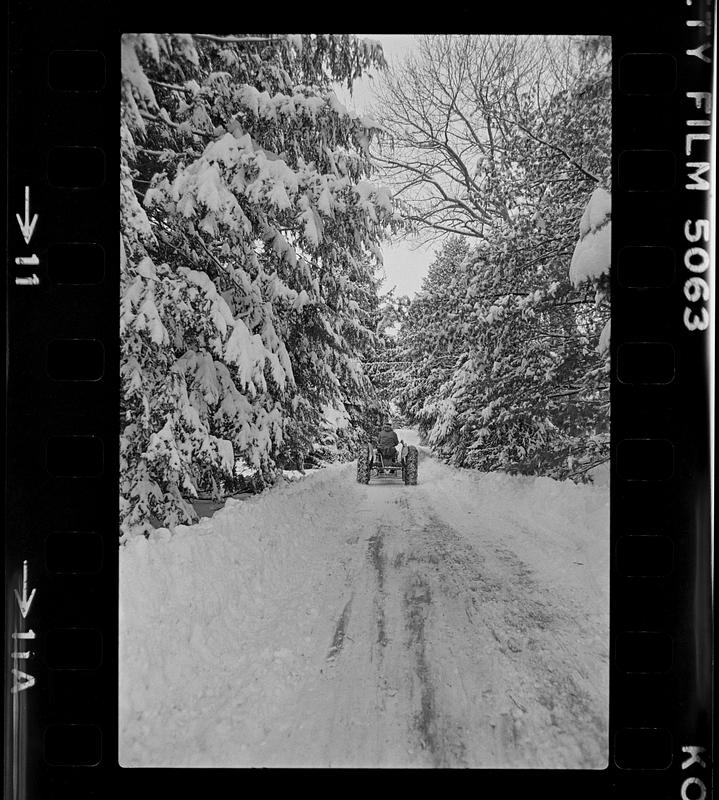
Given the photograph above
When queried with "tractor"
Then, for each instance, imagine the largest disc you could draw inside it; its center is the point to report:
(400, 462)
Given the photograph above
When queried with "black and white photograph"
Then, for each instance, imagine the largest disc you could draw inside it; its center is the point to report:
(365, 400)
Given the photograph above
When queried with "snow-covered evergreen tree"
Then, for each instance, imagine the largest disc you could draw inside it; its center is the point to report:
(384, 362)
(250, 238)
(507, 343)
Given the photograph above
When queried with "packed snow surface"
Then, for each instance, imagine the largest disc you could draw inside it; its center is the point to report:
(459, 622)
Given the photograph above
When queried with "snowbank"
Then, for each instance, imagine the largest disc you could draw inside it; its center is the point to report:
(202, 605)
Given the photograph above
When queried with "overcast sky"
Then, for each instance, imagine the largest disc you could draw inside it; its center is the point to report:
(404, 264)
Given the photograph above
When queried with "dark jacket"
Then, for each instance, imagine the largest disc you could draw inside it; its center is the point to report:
(387, 439)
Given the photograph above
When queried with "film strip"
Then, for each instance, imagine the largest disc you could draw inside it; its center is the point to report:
(63, 386)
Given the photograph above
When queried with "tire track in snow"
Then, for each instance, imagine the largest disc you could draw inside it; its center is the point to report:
(534, 637)
(436, 733)
(420, 567)
(400, 572)
(463, 582)
(338, 639)
(376, 558)
(374, 554)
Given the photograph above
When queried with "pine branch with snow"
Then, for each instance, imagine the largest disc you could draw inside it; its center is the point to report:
(250, 233)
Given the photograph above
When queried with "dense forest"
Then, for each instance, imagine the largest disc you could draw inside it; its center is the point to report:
(256, 333)
(501, 152)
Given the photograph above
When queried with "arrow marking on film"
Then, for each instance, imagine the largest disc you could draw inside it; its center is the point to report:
(24, 602)
(22, 681)
(27, 227)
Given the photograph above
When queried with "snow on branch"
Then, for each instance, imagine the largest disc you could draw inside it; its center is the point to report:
(592, 254)
(559, 149)
(234, 39)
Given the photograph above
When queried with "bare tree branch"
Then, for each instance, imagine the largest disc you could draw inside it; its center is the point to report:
(559, 149)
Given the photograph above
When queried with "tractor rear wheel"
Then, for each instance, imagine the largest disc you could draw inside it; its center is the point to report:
(364, 465)
(410, 466)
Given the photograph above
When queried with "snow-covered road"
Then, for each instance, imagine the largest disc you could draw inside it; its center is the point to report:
(459, 622)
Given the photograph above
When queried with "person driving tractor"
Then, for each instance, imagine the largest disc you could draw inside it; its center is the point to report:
(387, 441)
(387, 456)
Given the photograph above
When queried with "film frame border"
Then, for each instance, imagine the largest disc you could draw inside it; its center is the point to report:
(656, 518)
